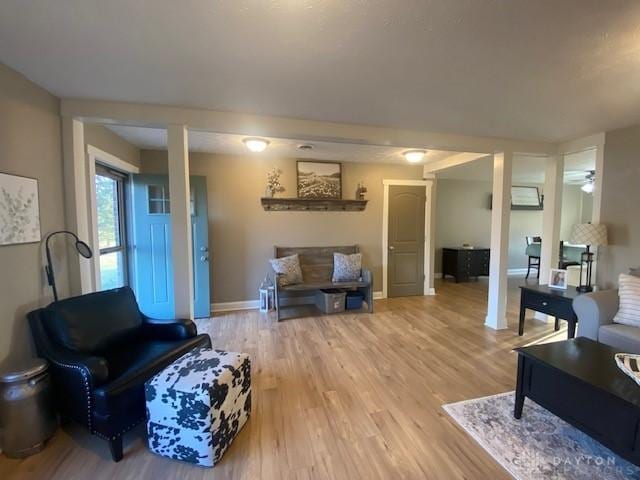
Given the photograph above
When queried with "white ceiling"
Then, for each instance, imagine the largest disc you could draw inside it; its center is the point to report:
(526, 169)
(540, 70)
(156, 139)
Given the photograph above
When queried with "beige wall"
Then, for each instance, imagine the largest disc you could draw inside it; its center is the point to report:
(242, 234)
(30, 145)
(463, 216)
(587, 207)
(620, 201)
(104, 139)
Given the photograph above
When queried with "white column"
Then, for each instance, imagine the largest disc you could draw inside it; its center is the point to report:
(551, 215)
(182, 251)
(76, 199)
(597, 204)
(597, 192)
(501, 211)
(430, 236)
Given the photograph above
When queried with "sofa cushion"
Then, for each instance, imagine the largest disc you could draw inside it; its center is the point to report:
(95, 322)
(629, 293)
(624, 338)
(288, 268)
(346, 268)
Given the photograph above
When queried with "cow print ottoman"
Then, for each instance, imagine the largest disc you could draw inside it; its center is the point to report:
(198, 404)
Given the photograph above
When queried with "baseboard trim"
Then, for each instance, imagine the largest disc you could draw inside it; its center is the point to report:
(235, 306)
(255, 304)
(516, 272)
(501, 325)
(512, 272)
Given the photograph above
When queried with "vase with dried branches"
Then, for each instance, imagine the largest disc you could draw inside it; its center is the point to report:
(273, 183)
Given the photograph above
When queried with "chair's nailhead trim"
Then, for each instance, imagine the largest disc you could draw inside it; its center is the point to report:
(85, 380)
(124, 430)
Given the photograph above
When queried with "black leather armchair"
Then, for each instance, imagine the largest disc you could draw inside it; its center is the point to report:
(101, 350)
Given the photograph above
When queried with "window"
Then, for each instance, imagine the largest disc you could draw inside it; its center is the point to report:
(111, 227)
(159, 203)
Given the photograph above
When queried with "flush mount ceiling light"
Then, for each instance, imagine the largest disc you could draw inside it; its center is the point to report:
(255, 144)
(305, 146)
(414, 156)
(590, 186)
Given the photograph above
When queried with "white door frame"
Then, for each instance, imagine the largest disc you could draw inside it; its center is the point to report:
(427, 288)
(94, 155)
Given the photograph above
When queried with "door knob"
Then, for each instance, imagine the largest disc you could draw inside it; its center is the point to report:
(391, 247)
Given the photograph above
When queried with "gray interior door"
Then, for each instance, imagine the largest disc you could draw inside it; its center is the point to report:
(406, 241)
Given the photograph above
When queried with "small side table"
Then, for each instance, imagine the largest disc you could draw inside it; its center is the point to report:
(27, 413)
(551, 301)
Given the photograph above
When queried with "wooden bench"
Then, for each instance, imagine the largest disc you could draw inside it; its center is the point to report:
(317, 270)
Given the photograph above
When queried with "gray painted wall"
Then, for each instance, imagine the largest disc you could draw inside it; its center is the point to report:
(463, 216)
(104, 139)
(242, 234)
(30, 145)
(620, 201)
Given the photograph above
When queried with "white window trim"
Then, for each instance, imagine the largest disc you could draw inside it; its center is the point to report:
(94, 155)
(427, 289)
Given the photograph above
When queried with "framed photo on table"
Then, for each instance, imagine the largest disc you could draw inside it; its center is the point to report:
(558, 279)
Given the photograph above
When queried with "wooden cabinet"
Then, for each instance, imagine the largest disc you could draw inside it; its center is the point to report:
(464, 263)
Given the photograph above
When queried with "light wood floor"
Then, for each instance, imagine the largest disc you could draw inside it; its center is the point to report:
(343, 396)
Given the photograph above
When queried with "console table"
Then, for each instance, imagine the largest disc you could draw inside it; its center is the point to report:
(551, 301)
(463, 263)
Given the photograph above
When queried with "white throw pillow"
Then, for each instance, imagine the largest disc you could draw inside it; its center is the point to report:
(629, 293)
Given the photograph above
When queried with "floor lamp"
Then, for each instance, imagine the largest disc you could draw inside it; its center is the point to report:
(81, 247)
(591, 235)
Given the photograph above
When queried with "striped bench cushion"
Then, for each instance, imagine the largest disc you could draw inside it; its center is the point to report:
(629, 293)
(630, 365)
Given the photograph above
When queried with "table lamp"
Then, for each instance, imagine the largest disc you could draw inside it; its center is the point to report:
(591, 235)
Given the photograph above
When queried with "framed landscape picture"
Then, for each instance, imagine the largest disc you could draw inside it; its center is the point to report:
(319, 179)
(19, 210)
(525, 198)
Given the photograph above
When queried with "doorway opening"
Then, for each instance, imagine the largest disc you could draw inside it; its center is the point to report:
(406, 238)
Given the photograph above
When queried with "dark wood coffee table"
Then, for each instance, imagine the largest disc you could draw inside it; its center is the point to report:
(578, 381)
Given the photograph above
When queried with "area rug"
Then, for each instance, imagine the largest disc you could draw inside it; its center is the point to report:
(539, 445)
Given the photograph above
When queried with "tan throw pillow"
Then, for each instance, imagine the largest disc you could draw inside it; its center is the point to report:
(288, 268)
(346, 268)
(629, 293)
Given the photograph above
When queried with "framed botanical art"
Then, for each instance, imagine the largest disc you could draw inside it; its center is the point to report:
(19, 210)
(319, 179)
